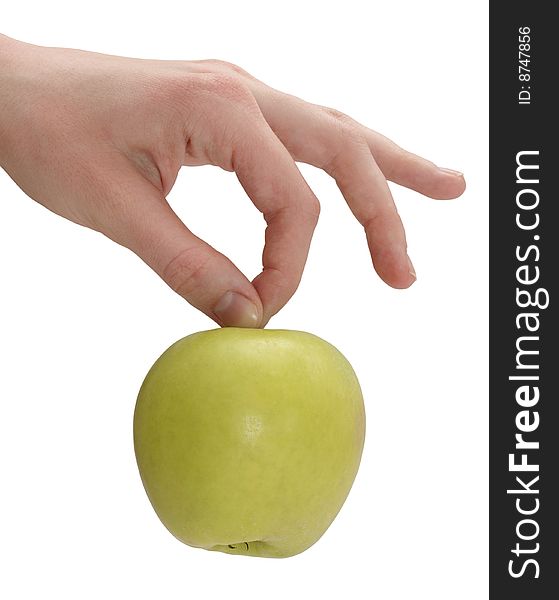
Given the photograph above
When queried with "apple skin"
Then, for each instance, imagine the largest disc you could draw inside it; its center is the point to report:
(249, 440)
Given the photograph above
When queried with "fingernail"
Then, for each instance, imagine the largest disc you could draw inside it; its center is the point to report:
(411, 269)
(235, 310)
(452, 172)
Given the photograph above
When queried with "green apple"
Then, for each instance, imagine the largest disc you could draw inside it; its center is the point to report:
(248, 440)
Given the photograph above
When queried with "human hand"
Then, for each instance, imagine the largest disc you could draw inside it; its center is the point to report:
(100, 140)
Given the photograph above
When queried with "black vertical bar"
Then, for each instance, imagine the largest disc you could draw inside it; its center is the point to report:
(524, 258)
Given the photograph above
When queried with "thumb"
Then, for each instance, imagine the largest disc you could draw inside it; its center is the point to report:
(200, 274)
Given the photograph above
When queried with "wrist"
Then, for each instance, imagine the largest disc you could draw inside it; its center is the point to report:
(8, 52)
(11, 66)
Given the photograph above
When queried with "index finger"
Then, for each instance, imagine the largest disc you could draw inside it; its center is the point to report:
(275, 185)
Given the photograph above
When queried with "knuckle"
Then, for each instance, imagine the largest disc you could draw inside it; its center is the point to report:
(345, 144)
(215, 63)
(336, 114)
(227, 87)
(228, 67)
(285, 283)
(180, 89)
(345, 131)
(350, 135)
(185, 272)
(370, 220)
(312, 209)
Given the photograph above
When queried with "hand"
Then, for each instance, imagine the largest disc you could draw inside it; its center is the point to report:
(100, 140)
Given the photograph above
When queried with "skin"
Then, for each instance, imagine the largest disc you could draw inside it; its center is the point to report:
(100, 140)
(248, 440)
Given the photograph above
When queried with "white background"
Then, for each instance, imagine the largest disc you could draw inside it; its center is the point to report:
(82, 319)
